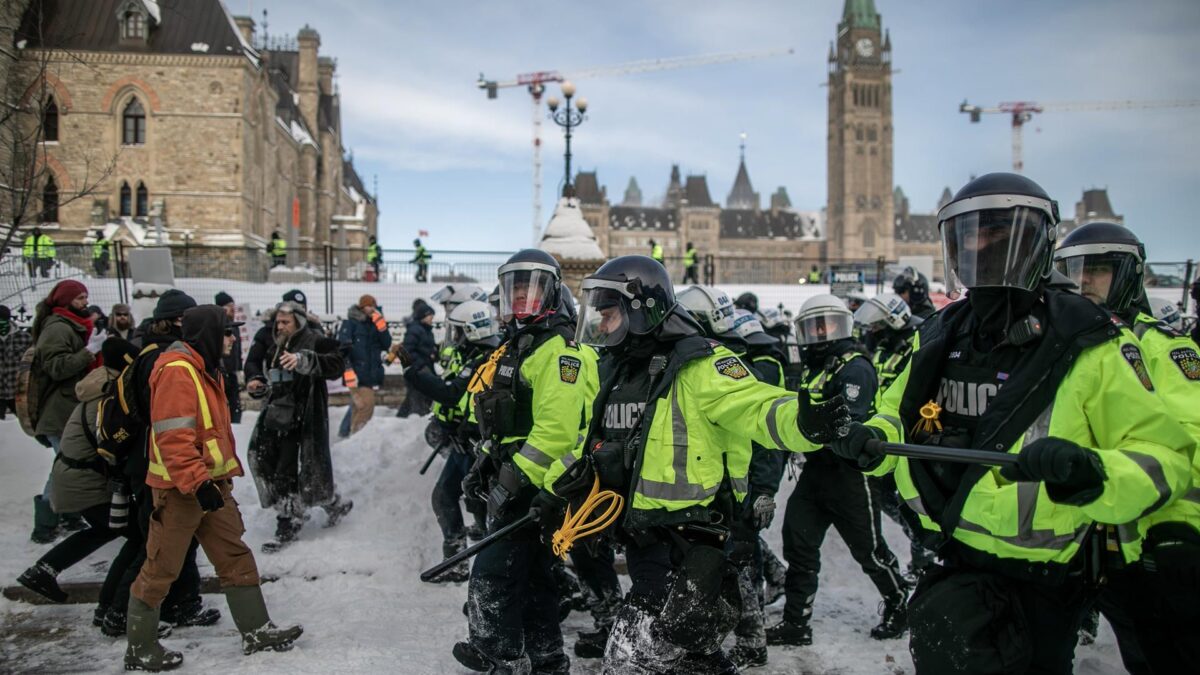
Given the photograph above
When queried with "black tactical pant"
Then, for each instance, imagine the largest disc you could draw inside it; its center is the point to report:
(970, 621)
(447, 492)
(512, 598)
(830, 493)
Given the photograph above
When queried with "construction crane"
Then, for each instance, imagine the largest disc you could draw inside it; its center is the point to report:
(535, 84)
(1023, 111)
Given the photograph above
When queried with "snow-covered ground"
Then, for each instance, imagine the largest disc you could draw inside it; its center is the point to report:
(355, 587)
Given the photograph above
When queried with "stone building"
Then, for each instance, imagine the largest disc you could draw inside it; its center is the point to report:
(748, 243)
(221, 135)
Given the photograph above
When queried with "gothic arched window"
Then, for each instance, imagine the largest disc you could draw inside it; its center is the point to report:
(50, 120)
(133, 119)
(126, 200)
(50, 201)
(143, 197)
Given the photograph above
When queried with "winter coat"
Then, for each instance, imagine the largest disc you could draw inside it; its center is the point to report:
(363, 344)
(262, 345)
(188, 446)
(75, 488)
(420, 344)
(12, 348)
(59, 363)
(320, 360)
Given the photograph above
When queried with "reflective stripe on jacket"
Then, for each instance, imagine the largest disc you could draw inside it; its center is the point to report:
(689, 257)
(278, 247)
(1100, 404)
(191, 439)
(43, 247)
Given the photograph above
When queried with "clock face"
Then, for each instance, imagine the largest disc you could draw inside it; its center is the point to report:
(865, 47)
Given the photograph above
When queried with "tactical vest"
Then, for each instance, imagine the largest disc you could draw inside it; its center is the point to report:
(504, 408)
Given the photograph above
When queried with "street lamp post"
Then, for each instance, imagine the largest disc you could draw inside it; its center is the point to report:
(568, 118)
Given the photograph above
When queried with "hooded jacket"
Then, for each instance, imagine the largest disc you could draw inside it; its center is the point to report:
(60, 362)
(191, 438)
(363, 344)
(75, 487)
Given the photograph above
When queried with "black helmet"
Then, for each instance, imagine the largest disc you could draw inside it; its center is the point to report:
(628, 295)
(914, 283)
(1106, 261)
(998, 231)
(747, 301)
(529, 286)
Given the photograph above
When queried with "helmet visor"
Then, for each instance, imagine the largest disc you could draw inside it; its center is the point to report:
(603, 319)
(526, 294)
(996, 248)
(870, 316)
(825, 327)
(1107, 279)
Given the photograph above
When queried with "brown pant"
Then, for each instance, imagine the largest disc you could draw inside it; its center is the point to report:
(362, 407)
(176, 519)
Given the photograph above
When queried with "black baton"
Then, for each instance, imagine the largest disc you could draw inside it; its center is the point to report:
(433, 572)
(936, 453)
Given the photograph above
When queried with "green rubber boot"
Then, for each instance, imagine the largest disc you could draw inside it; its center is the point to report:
(144, 651)
(249, 612)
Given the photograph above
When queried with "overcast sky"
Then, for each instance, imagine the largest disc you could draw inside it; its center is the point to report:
(458, 165)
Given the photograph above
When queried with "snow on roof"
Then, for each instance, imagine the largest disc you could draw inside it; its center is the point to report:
(298, 132)
(154, 9)
(200, 47)
(568, 236)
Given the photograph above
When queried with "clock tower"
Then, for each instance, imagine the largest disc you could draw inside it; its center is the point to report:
(860, 212)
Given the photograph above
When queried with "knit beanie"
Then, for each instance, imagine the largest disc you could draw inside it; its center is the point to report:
(64, 292)
(172, 304)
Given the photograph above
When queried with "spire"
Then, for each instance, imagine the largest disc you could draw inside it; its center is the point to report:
(742, 196)
(674, 189)
(887, 40)
(859, 14)
(742, 149)
(832, 53)
(633, 194)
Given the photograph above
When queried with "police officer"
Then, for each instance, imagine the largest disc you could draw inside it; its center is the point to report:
(449, 297)
(277, 249)
(888, 329)
(656, 251)
(670, 432)
(375, 257)
(913, 288)
(689, 264)
(473, 334)
(1150, 604)
(420, 258)
(1021, 367)
(531, 401)
(829, 492)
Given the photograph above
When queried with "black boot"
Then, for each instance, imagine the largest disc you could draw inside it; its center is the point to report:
(287, 529)
(42, 579)
(460, 572)
(45, 522)
(591, 645)
(337, 509)
(748, 657)
(791, 634)
(71, 522)
(190, 612)
(894, 622)
(471, 658)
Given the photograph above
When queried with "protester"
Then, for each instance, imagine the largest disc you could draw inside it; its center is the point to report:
(289, 449)
(66, 349)
(14, 340)
(191, 473)
(120, 322)
(364, 337)
(421, 348)
(231, 363)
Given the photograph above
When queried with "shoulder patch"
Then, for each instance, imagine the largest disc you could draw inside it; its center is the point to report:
(731, 367)
(1188, 362)
(568, 369)
(1133, 356)
(852, 392)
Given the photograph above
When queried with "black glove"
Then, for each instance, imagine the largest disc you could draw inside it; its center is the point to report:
(551, 509)
(820, 422)
(474, 485)
(857, 448)
(209, 497)
(759, 510)
(1072, 474)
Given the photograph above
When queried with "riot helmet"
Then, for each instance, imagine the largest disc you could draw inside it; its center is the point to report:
(775, 322)
(1106, 261)
(628, 295)
(883, 311)
(1167, 312)
(710, 307)
(998, 232)
(471, 321)
(453, 295)
(823, 318)
(747, 326)
(909, 281)
(529, 286)
(747, 301)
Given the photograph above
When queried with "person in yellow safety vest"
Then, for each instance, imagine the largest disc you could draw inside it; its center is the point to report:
(192, 464)
(375, 257)
(689, 265)
(39, 253)
(531, 400)
(1022, 367)
(421, 260)
(277, 249)
(1150, 604)
(671, 432)
(814, 276)
(656, 251)
(101, 254)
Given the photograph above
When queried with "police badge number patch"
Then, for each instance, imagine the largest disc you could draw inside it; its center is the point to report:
(568, 369)
(1133, 356)
(731, 367)
(852, 391)
(1188, 362)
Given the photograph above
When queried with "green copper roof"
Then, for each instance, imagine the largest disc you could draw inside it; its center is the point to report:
(860, 14)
